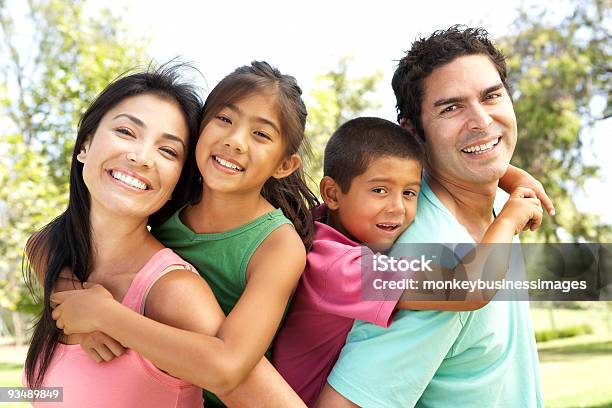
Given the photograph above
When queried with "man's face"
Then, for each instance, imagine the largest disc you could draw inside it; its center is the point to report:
(469, 122)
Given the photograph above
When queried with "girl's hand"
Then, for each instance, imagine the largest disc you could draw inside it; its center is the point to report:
(515, 178)
(76, 310)
(99, 346)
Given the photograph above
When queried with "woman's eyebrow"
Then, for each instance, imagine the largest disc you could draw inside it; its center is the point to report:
(140, 123)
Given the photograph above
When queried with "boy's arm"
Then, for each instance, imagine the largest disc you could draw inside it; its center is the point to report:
(515, 178)
(521, 212)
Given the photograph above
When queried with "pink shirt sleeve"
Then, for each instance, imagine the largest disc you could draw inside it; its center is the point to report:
(333, 281)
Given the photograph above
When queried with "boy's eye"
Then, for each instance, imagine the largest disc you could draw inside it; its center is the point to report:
(224, 118)
(410, 193)
(379, 190)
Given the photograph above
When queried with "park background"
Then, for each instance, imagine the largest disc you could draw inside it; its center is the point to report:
(56, 55)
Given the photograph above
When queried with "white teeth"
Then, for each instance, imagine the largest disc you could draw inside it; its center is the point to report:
(129, 180)
(480, 148)
(227, 164)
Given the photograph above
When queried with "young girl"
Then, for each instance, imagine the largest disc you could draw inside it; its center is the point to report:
(253, 206)
(129, 154)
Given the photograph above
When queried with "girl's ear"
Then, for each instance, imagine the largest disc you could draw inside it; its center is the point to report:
(83, 153)
(288, 166)
(329, 190)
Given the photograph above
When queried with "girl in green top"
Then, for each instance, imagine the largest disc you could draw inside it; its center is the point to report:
(237, 231)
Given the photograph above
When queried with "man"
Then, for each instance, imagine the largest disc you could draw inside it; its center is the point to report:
(451, 88)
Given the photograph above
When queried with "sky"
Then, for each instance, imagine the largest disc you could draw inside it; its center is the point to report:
(307, 38)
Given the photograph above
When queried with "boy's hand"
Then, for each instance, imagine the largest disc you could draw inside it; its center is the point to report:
(516, 178)
(99, 346)
(523, 210)
(76, 310)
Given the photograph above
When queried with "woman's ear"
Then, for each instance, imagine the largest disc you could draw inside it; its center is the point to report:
(330, 191)
(83, 153)
(288, 166)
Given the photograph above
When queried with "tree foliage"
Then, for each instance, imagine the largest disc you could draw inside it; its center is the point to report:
(559, 69)
(336, 98)
(55, 59)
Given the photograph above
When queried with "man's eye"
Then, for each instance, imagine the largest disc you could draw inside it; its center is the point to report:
(493, 96)
(450, 108)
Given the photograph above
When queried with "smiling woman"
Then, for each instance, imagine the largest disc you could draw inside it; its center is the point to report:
(129, 156)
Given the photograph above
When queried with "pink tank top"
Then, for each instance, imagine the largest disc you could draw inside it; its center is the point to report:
(127, 381)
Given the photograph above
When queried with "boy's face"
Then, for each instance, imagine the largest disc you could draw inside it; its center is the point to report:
(380, 203)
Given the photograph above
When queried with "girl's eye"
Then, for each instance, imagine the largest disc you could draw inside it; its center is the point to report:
(379, 190)
(223, 118)
(263, 134)
(125, 131)
(169, 151)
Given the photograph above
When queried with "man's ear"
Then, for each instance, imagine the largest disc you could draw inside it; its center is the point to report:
(330, 190)
(288, 166)
(84, 149)
(407, 124)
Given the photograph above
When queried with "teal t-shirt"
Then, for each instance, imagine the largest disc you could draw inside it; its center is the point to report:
(482, 358)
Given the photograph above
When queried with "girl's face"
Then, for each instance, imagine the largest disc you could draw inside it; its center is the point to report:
(242, 146)
(134, 160)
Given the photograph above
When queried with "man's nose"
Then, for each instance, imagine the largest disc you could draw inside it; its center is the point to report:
(479, 118)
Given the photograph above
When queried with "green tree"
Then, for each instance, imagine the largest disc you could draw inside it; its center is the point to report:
(558, 69)
(335, 99)
(50, 75)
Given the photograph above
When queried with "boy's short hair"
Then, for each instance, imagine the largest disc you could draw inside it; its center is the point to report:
(354, 145)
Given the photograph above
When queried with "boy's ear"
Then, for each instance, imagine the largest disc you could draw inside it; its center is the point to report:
(407, 124)
(329, 190)
(83, 153)
(288, 166)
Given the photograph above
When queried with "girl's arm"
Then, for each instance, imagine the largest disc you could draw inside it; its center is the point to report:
(220, 363)
(515, 178)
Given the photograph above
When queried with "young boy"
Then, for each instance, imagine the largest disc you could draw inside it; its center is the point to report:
(372, 177)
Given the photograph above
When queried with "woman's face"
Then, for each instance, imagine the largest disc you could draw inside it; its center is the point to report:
(133, 161)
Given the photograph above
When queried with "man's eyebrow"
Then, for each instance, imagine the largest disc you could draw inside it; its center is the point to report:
(259, 119)
(491, 89)
(456, 99)
(132, 118)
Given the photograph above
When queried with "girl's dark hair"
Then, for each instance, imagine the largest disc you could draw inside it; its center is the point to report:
(429, 53)
(67, 240)
(290, 194)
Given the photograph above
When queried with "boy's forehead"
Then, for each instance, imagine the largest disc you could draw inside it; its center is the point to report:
(402, 170)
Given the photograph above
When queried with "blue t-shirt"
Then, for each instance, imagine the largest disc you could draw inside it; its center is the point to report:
(482, 358)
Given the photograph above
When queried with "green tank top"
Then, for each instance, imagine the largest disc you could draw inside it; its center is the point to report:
(221, 258)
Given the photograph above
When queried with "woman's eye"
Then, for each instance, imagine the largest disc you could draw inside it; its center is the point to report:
(169, 151)
(125, 131)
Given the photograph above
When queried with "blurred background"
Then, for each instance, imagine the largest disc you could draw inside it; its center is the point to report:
(55, 56)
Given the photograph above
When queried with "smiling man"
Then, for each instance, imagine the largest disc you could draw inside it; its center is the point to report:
(451, 88)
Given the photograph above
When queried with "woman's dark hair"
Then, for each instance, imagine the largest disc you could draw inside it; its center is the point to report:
(290, 194)
(427, 54)
(66, 242)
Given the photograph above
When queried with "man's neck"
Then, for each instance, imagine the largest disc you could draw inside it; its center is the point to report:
(471, 205)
